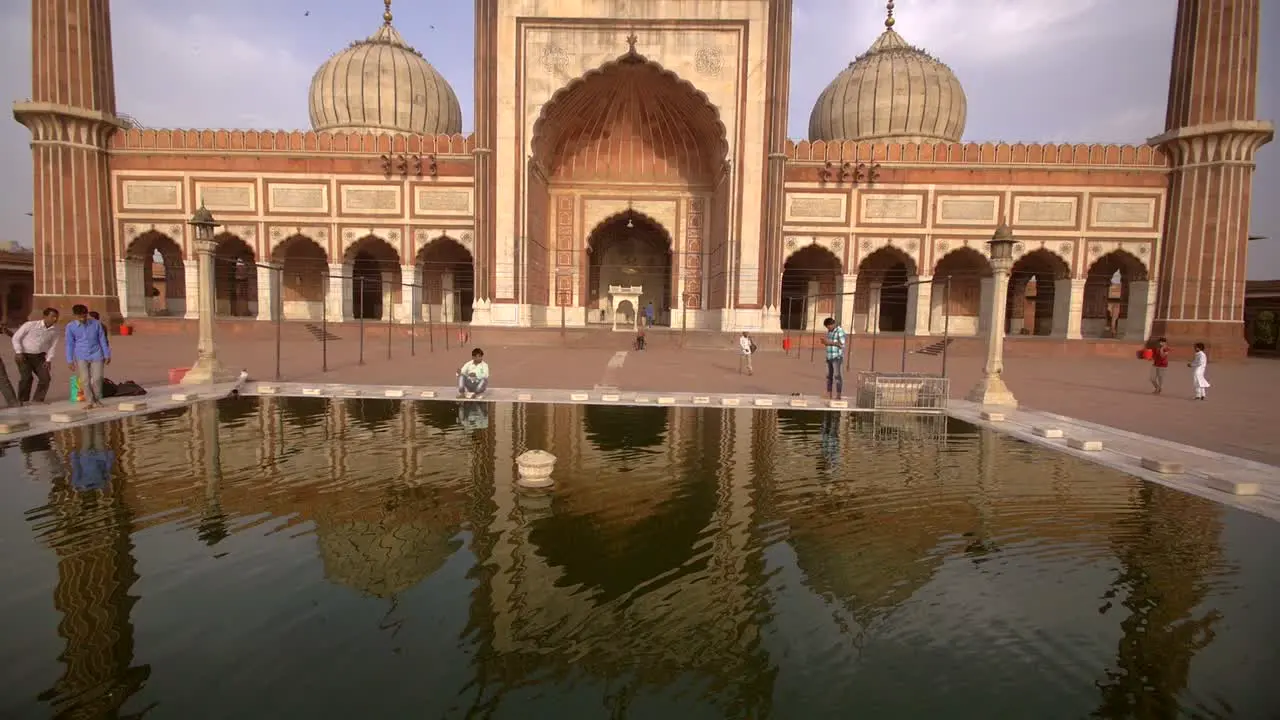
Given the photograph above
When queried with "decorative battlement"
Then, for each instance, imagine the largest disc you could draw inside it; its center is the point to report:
(283, 141)
(837, 151)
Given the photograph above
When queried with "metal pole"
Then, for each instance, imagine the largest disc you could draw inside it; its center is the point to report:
(684, 323)
(389, 310)
(946, 323)
(813, 326)
(786, 331)
(848, 337)
(873, 317)
(324, 324)
(361, 319)
(277, 285)
(904, 329)
(415, 307)
(444, 319)
(431, 329)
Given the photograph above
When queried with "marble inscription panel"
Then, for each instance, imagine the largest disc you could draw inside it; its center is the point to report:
(442, 201)
(152, 195)
(305, 198)
(371, 200)
(1124, 212)
(967, 210)
(228, 198)
(1048, 211)
(891, 208)
(815, 207)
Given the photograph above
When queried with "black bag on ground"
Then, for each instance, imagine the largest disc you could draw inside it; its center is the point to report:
(128, 388)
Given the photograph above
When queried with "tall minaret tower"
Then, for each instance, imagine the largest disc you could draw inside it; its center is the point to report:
(71, 115)
(1212, 135)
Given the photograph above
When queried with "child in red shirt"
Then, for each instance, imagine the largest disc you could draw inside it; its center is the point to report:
(1159, 364)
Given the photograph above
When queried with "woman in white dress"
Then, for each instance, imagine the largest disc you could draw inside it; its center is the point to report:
(1198, 363)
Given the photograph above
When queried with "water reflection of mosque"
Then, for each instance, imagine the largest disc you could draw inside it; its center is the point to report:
(381, 538)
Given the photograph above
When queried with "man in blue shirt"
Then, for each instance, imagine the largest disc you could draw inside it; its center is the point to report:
(87, 354)
(835, 342)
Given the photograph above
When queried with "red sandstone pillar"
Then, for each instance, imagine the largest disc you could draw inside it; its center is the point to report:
(1211, 134)
(71, 115)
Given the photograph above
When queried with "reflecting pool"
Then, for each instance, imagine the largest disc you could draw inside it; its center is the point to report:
(301, 557)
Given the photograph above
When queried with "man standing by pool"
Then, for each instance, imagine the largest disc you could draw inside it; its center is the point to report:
(33, 346)
(835, 342)
(87, 354)
(473, 376)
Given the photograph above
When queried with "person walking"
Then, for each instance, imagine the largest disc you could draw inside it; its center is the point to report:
(6, 388)
(1199, 362)
(33, 346)
(748, 349)
(1159, 365)
(835, 342)
(87, 354)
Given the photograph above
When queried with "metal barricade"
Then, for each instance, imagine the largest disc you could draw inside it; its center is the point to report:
(902, 391)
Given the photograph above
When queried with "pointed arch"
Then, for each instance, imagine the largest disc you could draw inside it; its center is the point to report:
(1032, 292)
(1107, 290)
(373, 265)
(304, 268)
(630, 118)
(447, 271)
(810, 280)
(235, 276)
(882, 288)
(629, 248)
(155, 279)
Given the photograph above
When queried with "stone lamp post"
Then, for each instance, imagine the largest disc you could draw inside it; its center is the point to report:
(991, 389)
(207, 369)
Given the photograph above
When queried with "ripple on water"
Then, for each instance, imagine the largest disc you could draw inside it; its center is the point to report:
(727, 563)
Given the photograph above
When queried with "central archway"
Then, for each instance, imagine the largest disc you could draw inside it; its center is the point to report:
(630, 120)
(630, 249)
(629, 130)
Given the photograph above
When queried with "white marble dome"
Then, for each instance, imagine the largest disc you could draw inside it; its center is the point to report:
(892, 93)
(380, 84)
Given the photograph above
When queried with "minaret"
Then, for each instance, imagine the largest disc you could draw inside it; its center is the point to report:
(778, 92)
(1211, 134)
(71, 115)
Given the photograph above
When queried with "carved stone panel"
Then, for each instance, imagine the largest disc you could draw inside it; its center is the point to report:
(371, 200)
(823, 208)
(448, 201)
(968, 210)
(564, 250)
(297, 197)
(1045, 211)
(151, 195)
(1132, 213)
(693, 237)
(892, 208)
(227, 197)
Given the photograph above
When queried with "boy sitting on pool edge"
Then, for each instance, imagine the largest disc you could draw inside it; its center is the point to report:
(473, 376)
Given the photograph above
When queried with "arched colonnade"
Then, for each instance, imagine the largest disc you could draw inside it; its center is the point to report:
(888, 293)
(298, 279)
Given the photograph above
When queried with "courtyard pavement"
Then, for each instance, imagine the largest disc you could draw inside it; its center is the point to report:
(1239, 418)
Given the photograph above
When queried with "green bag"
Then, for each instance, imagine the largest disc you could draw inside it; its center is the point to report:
(75, 388)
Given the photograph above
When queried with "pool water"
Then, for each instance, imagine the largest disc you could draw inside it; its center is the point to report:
(301, 557)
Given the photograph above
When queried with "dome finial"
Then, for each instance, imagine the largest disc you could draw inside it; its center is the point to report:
(386, 14)
(888, 21)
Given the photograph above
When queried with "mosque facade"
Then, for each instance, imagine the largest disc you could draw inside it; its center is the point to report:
(645, 147)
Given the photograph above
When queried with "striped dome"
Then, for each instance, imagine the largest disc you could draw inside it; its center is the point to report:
(892, 93)
(380, 84)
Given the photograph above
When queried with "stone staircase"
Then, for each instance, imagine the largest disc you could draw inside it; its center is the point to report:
(319, 333)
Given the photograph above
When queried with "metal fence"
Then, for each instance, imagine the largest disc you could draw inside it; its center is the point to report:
(902, 391)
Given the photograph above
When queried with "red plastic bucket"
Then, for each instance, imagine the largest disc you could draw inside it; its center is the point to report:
(176, 375)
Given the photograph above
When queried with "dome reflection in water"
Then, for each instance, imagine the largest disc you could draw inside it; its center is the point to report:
(302, 557)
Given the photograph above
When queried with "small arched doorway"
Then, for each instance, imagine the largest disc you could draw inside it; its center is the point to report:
(448, 280)
(1032, 292)
(1107, 293)
(629, 250)
(374, 268)
(155, 279)
(235, 277)
(810, 281)
(304, 268)
(958, 281)
(881, 296)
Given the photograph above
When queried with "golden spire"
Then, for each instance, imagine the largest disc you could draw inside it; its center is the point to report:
(888, 21)
(386, 14)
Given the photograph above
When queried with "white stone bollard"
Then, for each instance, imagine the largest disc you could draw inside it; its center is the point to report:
(534, 468)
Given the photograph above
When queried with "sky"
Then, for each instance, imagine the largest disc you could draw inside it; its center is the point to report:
(1033, 70)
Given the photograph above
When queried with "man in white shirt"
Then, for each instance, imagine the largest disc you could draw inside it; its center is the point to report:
(473, 376)
(33, 346)
(748, 349)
